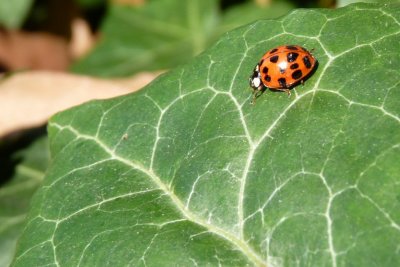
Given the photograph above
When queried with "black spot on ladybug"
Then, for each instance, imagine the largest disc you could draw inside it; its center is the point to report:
(307, 62)
(267, 78)
(297, 74)
(292, 57)
(282, 82)
(265, 70)
(294, 66)
(282, 70)
(273, 50)
(274, 59)
(291, 47)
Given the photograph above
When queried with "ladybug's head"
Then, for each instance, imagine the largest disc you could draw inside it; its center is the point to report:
(255, 79)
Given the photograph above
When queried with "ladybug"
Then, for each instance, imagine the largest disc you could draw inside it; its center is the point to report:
(281, 68)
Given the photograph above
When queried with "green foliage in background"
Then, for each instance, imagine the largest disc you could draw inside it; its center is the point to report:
(15, 196)
(91, 3)
(186, 172)
(13, 12)
(162, 34)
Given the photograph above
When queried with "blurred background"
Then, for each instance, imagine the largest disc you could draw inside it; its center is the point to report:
(86, 36)
(56, 54)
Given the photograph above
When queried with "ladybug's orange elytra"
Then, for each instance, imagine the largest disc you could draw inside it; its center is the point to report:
(281, 68)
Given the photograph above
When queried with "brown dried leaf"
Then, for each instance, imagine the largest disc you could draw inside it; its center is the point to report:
(20, 50)
(28, 99)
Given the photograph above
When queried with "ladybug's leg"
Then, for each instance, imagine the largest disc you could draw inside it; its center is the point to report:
(286, 90)
(256, 94)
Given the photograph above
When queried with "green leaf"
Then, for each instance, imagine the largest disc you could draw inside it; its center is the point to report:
(154, 36)
(248, 12)
(15, 196)
(187, 172)
(13, 13)
(164, 33)
(342, 3)
(90, 3)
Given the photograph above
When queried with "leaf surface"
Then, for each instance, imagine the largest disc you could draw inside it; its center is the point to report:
(341, 3)
(187, 173)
